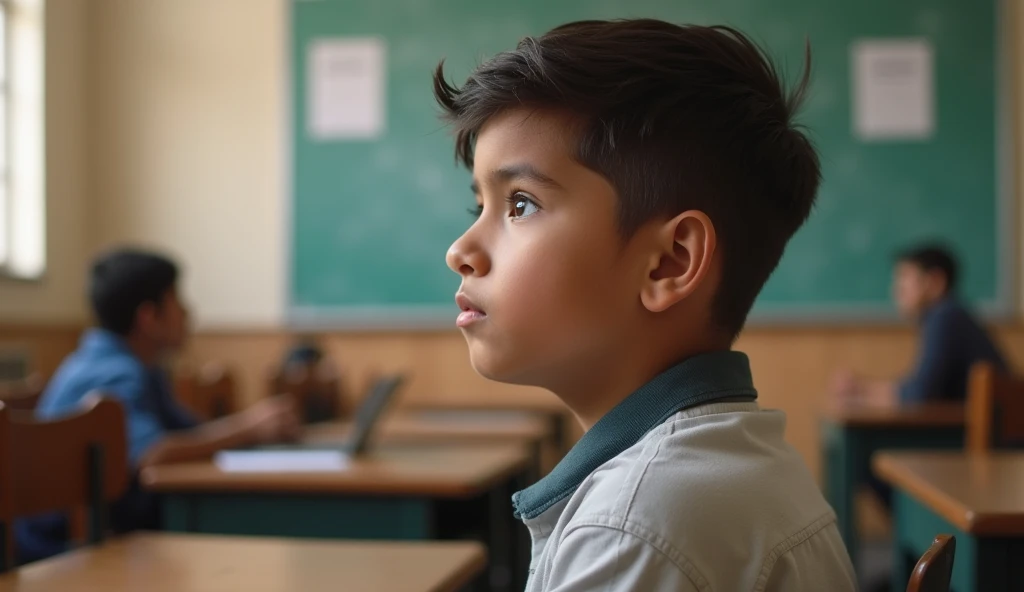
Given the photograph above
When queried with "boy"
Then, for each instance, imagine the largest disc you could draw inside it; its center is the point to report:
(636, 184)
(924, 288)
(141, 322)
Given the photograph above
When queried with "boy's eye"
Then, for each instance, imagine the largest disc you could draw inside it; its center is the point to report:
(522, 206)
(476, 211)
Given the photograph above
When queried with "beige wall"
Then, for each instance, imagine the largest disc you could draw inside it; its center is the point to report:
(57, 298)
(187, 145)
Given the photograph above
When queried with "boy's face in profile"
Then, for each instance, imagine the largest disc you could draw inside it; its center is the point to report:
(914, 289)
(166, 323)
(548, 287)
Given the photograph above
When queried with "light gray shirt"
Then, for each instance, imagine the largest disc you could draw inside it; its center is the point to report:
(709, 498)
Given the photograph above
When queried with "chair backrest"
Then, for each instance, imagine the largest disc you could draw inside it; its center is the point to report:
(995, 409)
(22, 395)
(317, 389)
(77, 462)
(209, 392)
(935, 568)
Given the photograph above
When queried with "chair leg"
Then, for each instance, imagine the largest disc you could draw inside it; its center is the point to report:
(6, 548)
(98, 519)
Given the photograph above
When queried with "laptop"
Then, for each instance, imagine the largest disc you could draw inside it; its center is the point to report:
(381, 394)
(304, 458)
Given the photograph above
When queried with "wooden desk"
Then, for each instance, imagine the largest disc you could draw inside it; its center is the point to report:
(461, 426)
(928, 415)
(411, 492)
(444, 426)
(435, 470)
(977, 498)
(200, 563)
(561, 422)
(851, 434)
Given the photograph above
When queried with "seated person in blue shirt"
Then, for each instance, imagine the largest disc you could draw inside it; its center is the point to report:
(952, 340)
(141, 322)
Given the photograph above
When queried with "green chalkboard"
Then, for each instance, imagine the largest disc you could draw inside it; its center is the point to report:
(372, 219)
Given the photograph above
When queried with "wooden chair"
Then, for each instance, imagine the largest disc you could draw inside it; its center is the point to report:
(317, 389)
(76, 464)
(209, 392)
(22, 395)
(935, 568)
(995, 409)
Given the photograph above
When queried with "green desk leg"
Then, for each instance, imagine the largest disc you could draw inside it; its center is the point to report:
(848, 453)
(842, 456)
(980, 564)
(300, 516)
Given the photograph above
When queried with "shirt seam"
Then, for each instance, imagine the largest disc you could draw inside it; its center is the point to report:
(639, 479)
(714, 408)
(648, 537)
(796, 539)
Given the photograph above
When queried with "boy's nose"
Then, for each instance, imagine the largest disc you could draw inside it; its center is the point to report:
(466, 258)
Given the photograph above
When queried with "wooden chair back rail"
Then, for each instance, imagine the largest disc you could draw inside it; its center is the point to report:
(75, 462)
(995, 409)
(22, 395)
(935, 568)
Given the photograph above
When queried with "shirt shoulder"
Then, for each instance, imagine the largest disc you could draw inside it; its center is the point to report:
(949, 317)
(114, 373)
(716, 487)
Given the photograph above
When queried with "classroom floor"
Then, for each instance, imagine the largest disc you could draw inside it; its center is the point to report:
(875, 563)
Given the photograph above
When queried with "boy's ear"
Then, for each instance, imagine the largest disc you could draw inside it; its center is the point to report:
(937, 284)
(145, 316)
(685, 246)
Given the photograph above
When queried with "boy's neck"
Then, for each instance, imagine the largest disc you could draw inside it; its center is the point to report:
(147, 352)
(592, 395)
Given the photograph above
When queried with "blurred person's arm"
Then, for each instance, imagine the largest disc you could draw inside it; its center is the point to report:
(848, 387)
(269, 421)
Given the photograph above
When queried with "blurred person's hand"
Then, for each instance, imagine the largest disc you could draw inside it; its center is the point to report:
(845, 385)
(274, 420)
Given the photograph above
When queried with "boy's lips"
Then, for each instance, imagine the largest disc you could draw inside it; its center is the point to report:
(470, 314)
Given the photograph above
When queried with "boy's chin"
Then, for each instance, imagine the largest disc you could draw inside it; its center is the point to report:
(494, 367)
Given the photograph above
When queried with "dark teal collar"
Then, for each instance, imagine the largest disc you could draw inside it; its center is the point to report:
(701, 379)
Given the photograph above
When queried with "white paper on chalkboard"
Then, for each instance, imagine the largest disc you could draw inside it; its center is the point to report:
(345, 92)
(893, 89)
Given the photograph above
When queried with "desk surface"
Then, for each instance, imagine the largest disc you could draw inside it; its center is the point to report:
(450, 426)
(441, 470)
(200, 563)
(979, 494)
(922, 416)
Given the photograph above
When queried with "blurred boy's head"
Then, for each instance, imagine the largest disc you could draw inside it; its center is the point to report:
(637, 182)
(134, 295)
(923, 275)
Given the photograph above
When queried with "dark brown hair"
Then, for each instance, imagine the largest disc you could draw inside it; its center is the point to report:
(932, 257)
(123, 280)
(676, 118)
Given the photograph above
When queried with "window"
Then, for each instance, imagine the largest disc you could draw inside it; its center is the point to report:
(22, 201)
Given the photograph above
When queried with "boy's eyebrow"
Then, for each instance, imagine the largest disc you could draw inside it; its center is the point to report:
(524, 170)
(514, 172)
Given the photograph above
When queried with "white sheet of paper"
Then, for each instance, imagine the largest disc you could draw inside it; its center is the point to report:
(280, 461)
(345, 91)
(893, 89)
